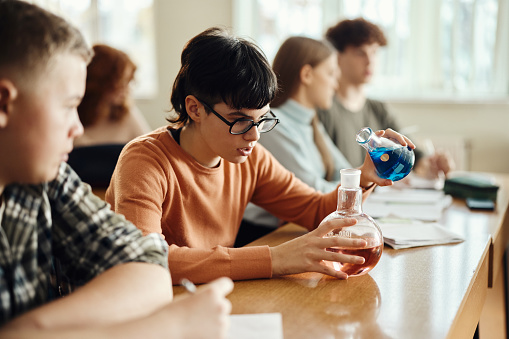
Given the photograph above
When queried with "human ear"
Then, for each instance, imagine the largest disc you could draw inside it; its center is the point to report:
(8, 93)
(306, 74)
(192, 108)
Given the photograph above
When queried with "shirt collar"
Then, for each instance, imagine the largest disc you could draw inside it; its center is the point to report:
(295, 111)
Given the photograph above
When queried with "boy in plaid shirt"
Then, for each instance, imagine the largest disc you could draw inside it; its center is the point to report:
(48, 215)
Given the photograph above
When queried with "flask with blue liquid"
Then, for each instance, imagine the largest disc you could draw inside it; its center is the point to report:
(392, 160)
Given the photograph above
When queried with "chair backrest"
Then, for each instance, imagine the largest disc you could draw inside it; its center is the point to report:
(95, 164)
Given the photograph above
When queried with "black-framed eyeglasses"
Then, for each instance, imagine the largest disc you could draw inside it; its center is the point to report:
(243, 125)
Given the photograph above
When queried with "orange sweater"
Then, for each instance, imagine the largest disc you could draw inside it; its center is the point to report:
(161, 188)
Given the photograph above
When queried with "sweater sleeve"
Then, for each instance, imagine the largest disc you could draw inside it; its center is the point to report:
(138, 186)
(152, 196)
(204, 265)
(281, 193)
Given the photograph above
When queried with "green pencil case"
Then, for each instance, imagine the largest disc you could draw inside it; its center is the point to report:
(471, 187)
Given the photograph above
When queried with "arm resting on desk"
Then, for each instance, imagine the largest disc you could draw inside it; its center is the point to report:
(201, 315)
(119, 294)
(204, 265)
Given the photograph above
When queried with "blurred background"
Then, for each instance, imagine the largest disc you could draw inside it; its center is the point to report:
(444, 73)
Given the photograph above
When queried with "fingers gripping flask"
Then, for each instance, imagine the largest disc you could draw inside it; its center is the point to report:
(350, 206)
(392, 160)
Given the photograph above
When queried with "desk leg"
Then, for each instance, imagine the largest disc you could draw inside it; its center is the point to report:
(506, 289)
(494, 314)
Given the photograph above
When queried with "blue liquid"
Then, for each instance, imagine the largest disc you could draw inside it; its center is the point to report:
(393, 163)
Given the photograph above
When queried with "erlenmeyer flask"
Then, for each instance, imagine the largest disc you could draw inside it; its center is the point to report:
(392, 160)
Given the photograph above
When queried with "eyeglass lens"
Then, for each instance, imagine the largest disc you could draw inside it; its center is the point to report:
(242, 126)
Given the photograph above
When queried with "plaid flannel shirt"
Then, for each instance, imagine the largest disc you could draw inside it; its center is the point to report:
(62, 220)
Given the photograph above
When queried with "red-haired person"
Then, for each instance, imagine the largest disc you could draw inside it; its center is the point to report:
(107, 111)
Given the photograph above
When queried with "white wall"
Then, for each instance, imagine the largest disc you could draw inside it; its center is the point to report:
(176, 23)
(484, 125)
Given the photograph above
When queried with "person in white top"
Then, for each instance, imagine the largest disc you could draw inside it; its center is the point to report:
(307, 74)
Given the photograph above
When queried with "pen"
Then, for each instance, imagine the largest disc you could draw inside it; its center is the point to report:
(188, 285)
(430, 150)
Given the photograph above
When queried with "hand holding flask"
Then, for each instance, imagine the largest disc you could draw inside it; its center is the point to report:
(392, 160)
(349, 206)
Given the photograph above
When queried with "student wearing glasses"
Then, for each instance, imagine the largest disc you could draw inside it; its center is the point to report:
(192, 180)
(53, 229)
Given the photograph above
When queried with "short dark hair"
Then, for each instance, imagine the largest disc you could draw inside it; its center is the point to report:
(31, 36)
(218, 67)
(355, 32)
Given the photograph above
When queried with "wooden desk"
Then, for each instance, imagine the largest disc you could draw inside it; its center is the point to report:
(427, 292)
(493, 317)
(460, 219)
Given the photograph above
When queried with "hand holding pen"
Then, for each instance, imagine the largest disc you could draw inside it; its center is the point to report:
(435, 164)
(206, 307)
(188, 285)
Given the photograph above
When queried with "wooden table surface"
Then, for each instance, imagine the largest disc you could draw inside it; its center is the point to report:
(427, 292)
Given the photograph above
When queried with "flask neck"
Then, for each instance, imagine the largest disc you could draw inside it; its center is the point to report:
(368, 139)
(349, 201)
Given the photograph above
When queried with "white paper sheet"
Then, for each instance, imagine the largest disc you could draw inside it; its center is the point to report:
(256, 326)
(399, 233)
(417, 204)
(416, 181)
